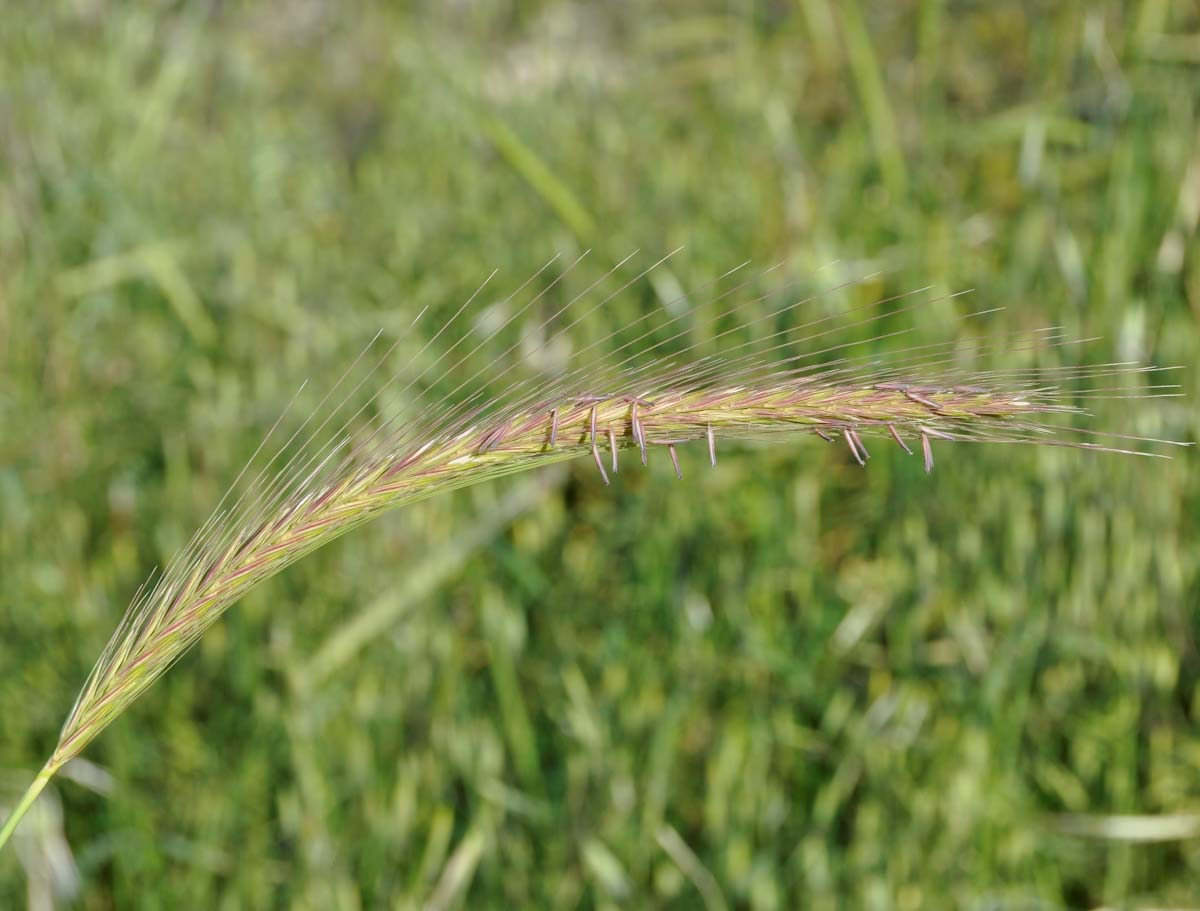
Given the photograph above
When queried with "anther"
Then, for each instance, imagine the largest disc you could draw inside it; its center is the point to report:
(927, 451)
(596, 449)
(639, 433)
(849, 435)
(675, 460)
(493, 438)
(712, 447)
(553, 427)
(896, 436)
(921, 400)
(862, 447)
(612, 444)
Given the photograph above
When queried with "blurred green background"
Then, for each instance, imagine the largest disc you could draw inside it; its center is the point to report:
(784, 683)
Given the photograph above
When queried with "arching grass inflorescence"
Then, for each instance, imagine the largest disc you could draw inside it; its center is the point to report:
(645, 388)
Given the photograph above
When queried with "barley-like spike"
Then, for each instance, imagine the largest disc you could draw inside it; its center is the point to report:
(335, 479)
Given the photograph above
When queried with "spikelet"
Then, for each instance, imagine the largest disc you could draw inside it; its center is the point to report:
(649, 392)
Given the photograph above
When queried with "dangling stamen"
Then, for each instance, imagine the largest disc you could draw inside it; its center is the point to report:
(861, 446)
(823, 435)
(596, 449)
(612, 444)
(927, 451)
(712, 447)
(639, 432)
(849, 435)
(553, 427)
(896, 436)
(675, 460)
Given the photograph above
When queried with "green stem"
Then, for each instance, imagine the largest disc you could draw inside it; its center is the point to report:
(31, 794)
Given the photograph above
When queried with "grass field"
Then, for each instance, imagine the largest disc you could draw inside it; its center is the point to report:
(784, 683)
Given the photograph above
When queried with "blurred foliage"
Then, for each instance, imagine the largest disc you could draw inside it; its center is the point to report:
(786, 682)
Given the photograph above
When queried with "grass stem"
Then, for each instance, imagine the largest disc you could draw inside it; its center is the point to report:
(31, 794)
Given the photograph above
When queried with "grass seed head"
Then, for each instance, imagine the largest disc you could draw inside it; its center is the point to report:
(641, 389)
